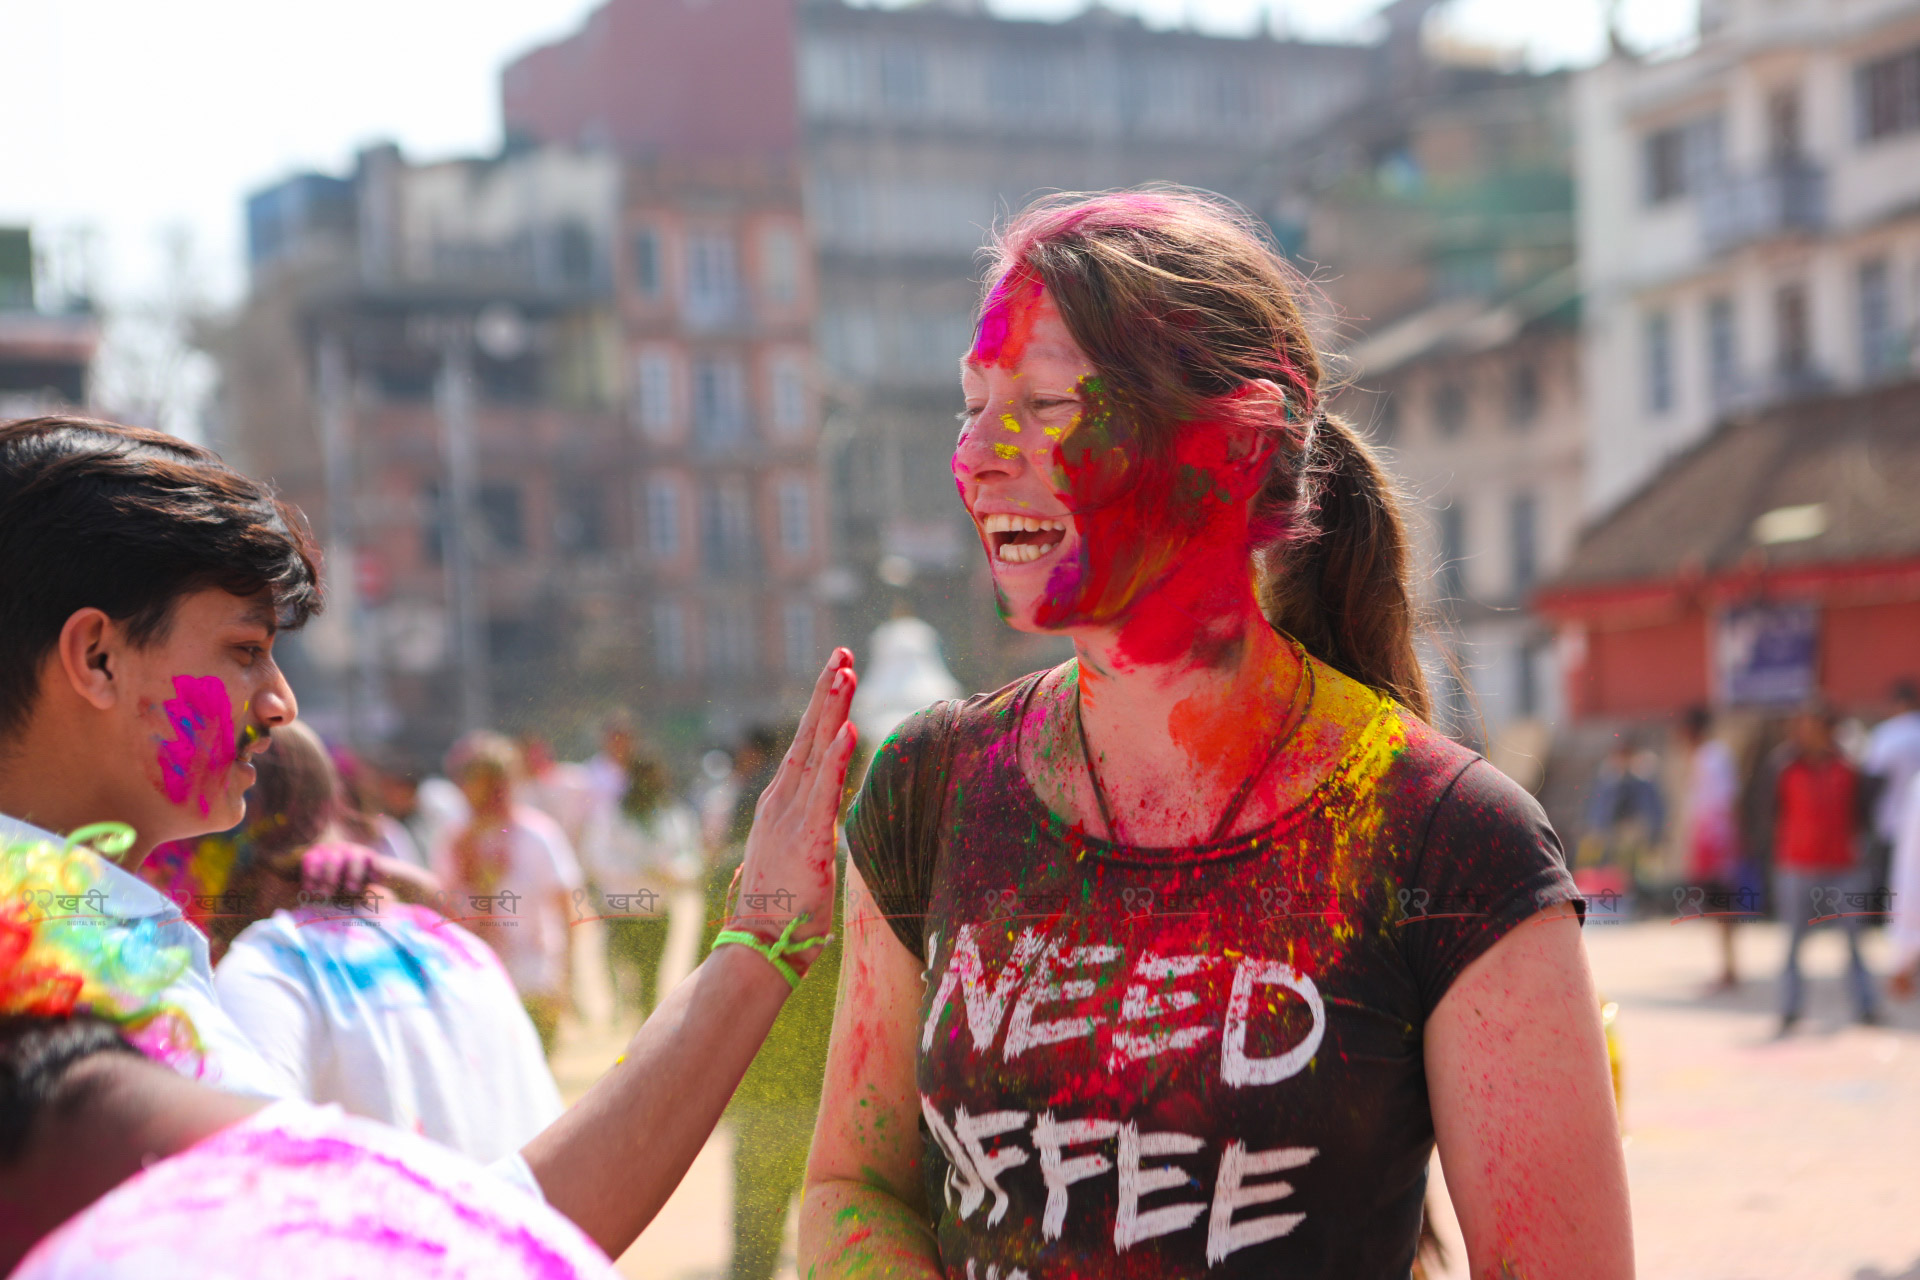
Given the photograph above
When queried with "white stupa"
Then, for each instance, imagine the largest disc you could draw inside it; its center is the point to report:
(904, 672)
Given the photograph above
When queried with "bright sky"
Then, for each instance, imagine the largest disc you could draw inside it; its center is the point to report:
(136, 119)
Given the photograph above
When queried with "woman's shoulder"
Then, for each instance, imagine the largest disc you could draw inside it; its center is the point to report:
(1379, 745)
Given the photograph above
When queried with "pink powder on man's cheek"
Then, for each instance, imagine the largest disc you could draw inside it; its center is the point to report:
(202, 747)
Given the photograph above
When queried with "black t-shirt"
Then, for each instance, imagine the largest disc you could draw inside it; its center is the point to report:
(1203, 1061)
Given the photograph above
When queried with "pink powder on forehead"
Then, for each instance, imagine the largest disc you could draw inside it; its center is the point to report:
(1006, 322)
(202, 747)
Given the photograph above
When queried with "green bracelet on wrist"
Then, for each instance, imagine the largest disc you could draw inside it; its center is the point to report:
(775, 951)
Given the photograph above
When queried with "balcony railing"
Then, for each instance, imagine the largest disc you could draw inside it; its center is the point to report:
(1781, 200)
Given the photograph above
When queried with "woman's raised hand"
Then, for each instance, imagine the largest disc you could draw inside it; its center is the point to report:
(789, 867)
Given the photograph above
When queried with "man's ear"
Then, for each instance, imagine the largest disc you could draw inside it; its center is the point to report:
(89, 656)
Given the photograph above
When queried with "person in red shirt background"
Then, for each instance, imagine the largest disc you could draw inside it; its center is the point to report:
(1817, 857)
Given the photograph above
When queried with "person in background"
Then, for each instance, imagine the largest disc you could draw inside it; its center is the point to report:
(1711, 826)
(1904, 935)
(1624, 821)
(561, 790)
(378, 1004)
(641, 843)
(1817, 857)
(1890, 763)
(513, 875)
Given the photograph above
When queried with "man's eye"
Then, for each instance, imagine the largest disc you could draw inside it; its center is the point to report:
(969, 413)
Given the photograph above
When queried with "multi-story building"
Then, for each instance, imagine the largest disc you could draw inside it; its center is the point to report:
(1444, 223)
(1750, 222)
(46, 353)
(541, 408)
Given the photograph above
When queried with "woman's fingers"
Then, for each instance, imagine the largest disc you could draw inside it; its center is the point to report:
(802, 749)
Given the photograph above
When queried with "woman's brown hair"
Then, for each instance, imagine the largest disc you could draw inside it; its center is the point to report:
(1179, 303)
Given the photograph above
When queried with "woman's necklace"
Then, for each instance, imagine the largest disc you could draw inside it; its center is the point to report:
(1296, 716)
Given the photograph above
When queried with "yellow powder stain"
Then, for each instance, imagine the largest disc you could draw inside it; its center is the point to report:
(1010, 422)
(1007, 451)
(1054, 432)
(1355, 809)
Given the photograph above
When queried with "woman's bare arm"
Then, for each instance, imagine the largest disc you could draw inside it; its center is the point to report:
(863, 1211)
(1523, 1110)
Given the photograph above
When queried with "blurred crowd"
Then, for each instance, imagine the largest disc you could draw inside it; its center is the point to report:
(1812, 818)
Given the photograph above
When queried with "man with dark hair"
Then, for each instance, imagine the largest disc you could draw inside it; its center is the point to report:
(145, 582)
(142, 585)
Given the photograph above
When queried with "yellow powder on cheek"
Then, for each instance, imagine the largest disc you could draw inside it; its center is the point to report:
(1007, 451)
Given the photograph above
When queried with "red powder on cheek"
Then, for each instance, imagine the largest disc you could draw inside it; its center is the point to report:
(1006, 323)
(1139, 512)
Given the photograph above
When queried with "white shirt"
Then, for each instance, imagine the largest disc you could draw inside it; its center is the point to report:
(1905, 930)
(526, 865)
(1893, 753)
(230, 1060)
(299, 1192)
(396, 1015)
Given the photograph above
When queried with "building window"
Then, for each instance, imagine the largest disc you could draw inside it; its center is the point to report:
(1887, 95)
(1723, 350)
(1449, 408)
(1452, 579)
(1523, 396)
(713, 278)
(653, 392)
(796, 516)
(788, 393)
(649, 274)
(1523, 540)
(780, 264)
(434, 515)
(1881, 347)
(1677, 160)
(663, 517)
(503, 517)
(670, 638)
(1793, 338)
(719, 402)
(1783, 126)
(796, 639)
(1659, 339)
(728, 527)
(730, 647)
(580, 523)
(903, 77)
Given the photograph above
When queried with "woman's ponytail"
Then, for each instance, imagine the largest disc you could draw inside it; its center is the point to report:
(1337, 581)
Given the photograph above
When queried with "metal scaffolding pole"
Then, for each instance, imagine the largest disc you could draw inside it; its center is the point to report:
(459, 526)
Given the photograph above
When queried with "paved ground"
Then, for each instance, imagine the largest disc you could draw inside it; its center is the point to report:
(1750, 1157)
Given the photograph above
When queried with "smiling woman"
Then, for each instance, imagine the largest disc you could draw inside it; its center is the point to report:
(1177, 959)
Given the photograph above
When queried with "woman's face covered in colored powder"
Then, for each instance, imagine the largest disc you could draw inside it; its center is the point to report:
(1080, 512)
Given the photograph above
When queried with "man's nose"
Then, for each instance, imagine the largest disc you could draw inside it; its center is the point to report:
(275, 705)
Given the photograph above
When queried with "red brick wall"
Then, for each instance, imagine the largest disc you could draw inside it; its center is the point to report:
(663, 77)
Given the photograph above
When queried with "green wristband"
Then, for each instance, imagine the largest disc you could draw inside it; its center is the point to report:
(775, 951)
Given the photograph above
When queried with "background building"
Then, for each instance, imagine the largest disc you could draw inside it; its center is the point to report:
(1442, 225)
(47, 346)
(544, 405)
(1749, 221)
